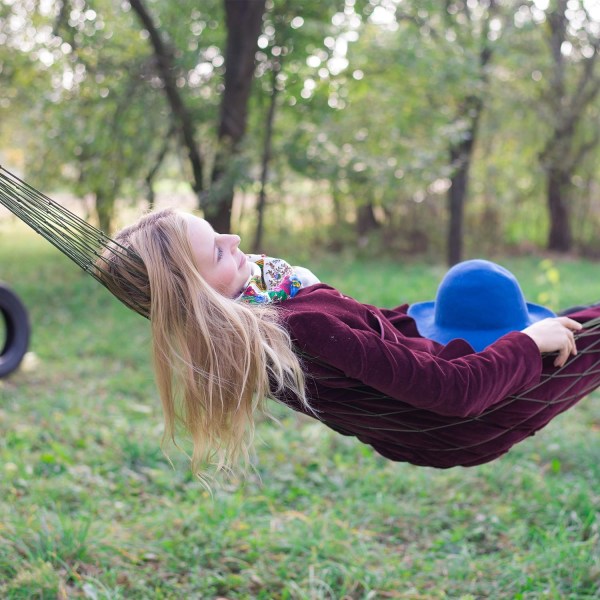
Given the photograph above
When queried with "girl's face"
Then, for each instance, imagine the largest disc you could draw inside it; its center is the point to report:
(218, 257)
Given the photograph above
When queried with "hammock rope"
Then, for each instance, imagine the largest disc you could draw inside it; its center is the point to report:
(84, 244)
(73, 236)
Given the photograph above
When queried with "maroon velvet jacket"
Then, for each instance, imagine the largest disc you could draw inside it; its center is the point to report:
(371, 375)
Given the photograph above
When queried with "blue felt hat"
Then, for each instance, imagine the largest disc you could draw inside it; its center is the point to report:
(478, 301)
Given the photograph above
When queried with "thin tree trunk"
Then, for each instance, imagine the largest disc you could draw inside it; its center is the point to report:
(560, 237)
(366, 221)
(244, 23)
(564, 151)
(266, 157)
(104, 205)
(336, 198)
(461, 153)
(460, 158)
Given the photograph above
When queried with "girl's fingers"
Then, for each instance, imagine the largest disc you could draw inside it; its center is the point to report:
(569, 348)
(555, 335)
(570, 324)
(563, 354)
(573, 343)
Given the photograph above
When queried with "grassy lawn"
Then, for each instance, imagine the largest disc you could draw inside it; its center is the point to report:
(91, 508)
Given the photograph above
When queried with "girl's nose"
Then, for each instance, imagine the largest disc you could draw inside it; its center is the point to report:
(233, 241)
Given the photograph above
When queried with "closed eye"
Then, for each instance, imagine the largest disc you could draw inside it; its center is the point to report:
(219, 253)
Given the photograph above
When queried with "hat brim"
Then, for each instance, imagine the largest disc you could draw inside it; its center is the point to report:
(424, 315)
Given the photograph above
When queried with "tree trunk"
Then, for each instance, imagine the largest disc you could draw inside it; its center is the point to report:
(105, 208)
(366, 220)
(266, 157)
(560, 238)
(460, 159)
(336, 198)
(461, 153)
(566, 98)
(244, 22)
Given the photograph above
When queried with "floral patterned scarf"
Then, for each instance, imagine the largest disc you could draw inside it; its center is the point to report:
(273, 280)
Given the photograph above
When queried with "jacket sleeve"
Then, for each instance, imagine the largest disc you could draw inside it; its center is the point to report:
(462, 387)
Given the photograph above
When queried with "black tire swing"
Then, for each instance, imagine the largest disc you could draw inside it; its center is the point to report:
(16, 329)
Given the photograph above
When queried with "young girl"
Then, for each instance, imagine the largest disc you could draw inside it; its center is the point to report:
(230, 331)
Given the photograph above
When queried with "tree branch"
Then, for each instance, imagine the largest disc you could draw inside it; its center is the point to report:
(588, 86)
(583, 150)
(166, 70)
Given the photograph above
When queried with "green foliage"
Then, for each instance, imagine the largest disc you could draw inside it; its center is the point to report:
(370, 98)
(98, 116)
(91, 508)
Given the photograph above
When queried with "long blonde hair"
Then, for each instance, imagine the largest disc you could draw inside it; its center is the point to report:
(215, 360)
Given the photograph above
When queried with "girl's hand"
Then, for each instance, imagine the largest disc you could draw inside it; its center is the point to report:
(555, 335)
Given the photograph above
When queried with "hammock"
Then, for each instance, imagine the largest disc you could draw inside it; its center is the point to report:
(84, 245)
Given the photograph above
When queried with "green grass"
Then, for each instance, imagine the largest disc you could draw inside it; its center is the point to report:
(90, 507)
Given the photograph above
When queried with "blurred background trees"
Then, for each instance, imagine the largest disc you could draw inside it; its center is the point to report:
(455, 128)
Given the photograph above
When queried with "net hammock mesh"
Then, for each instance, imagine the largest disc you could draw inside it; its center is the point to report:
(73, 236)
(84, 245)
